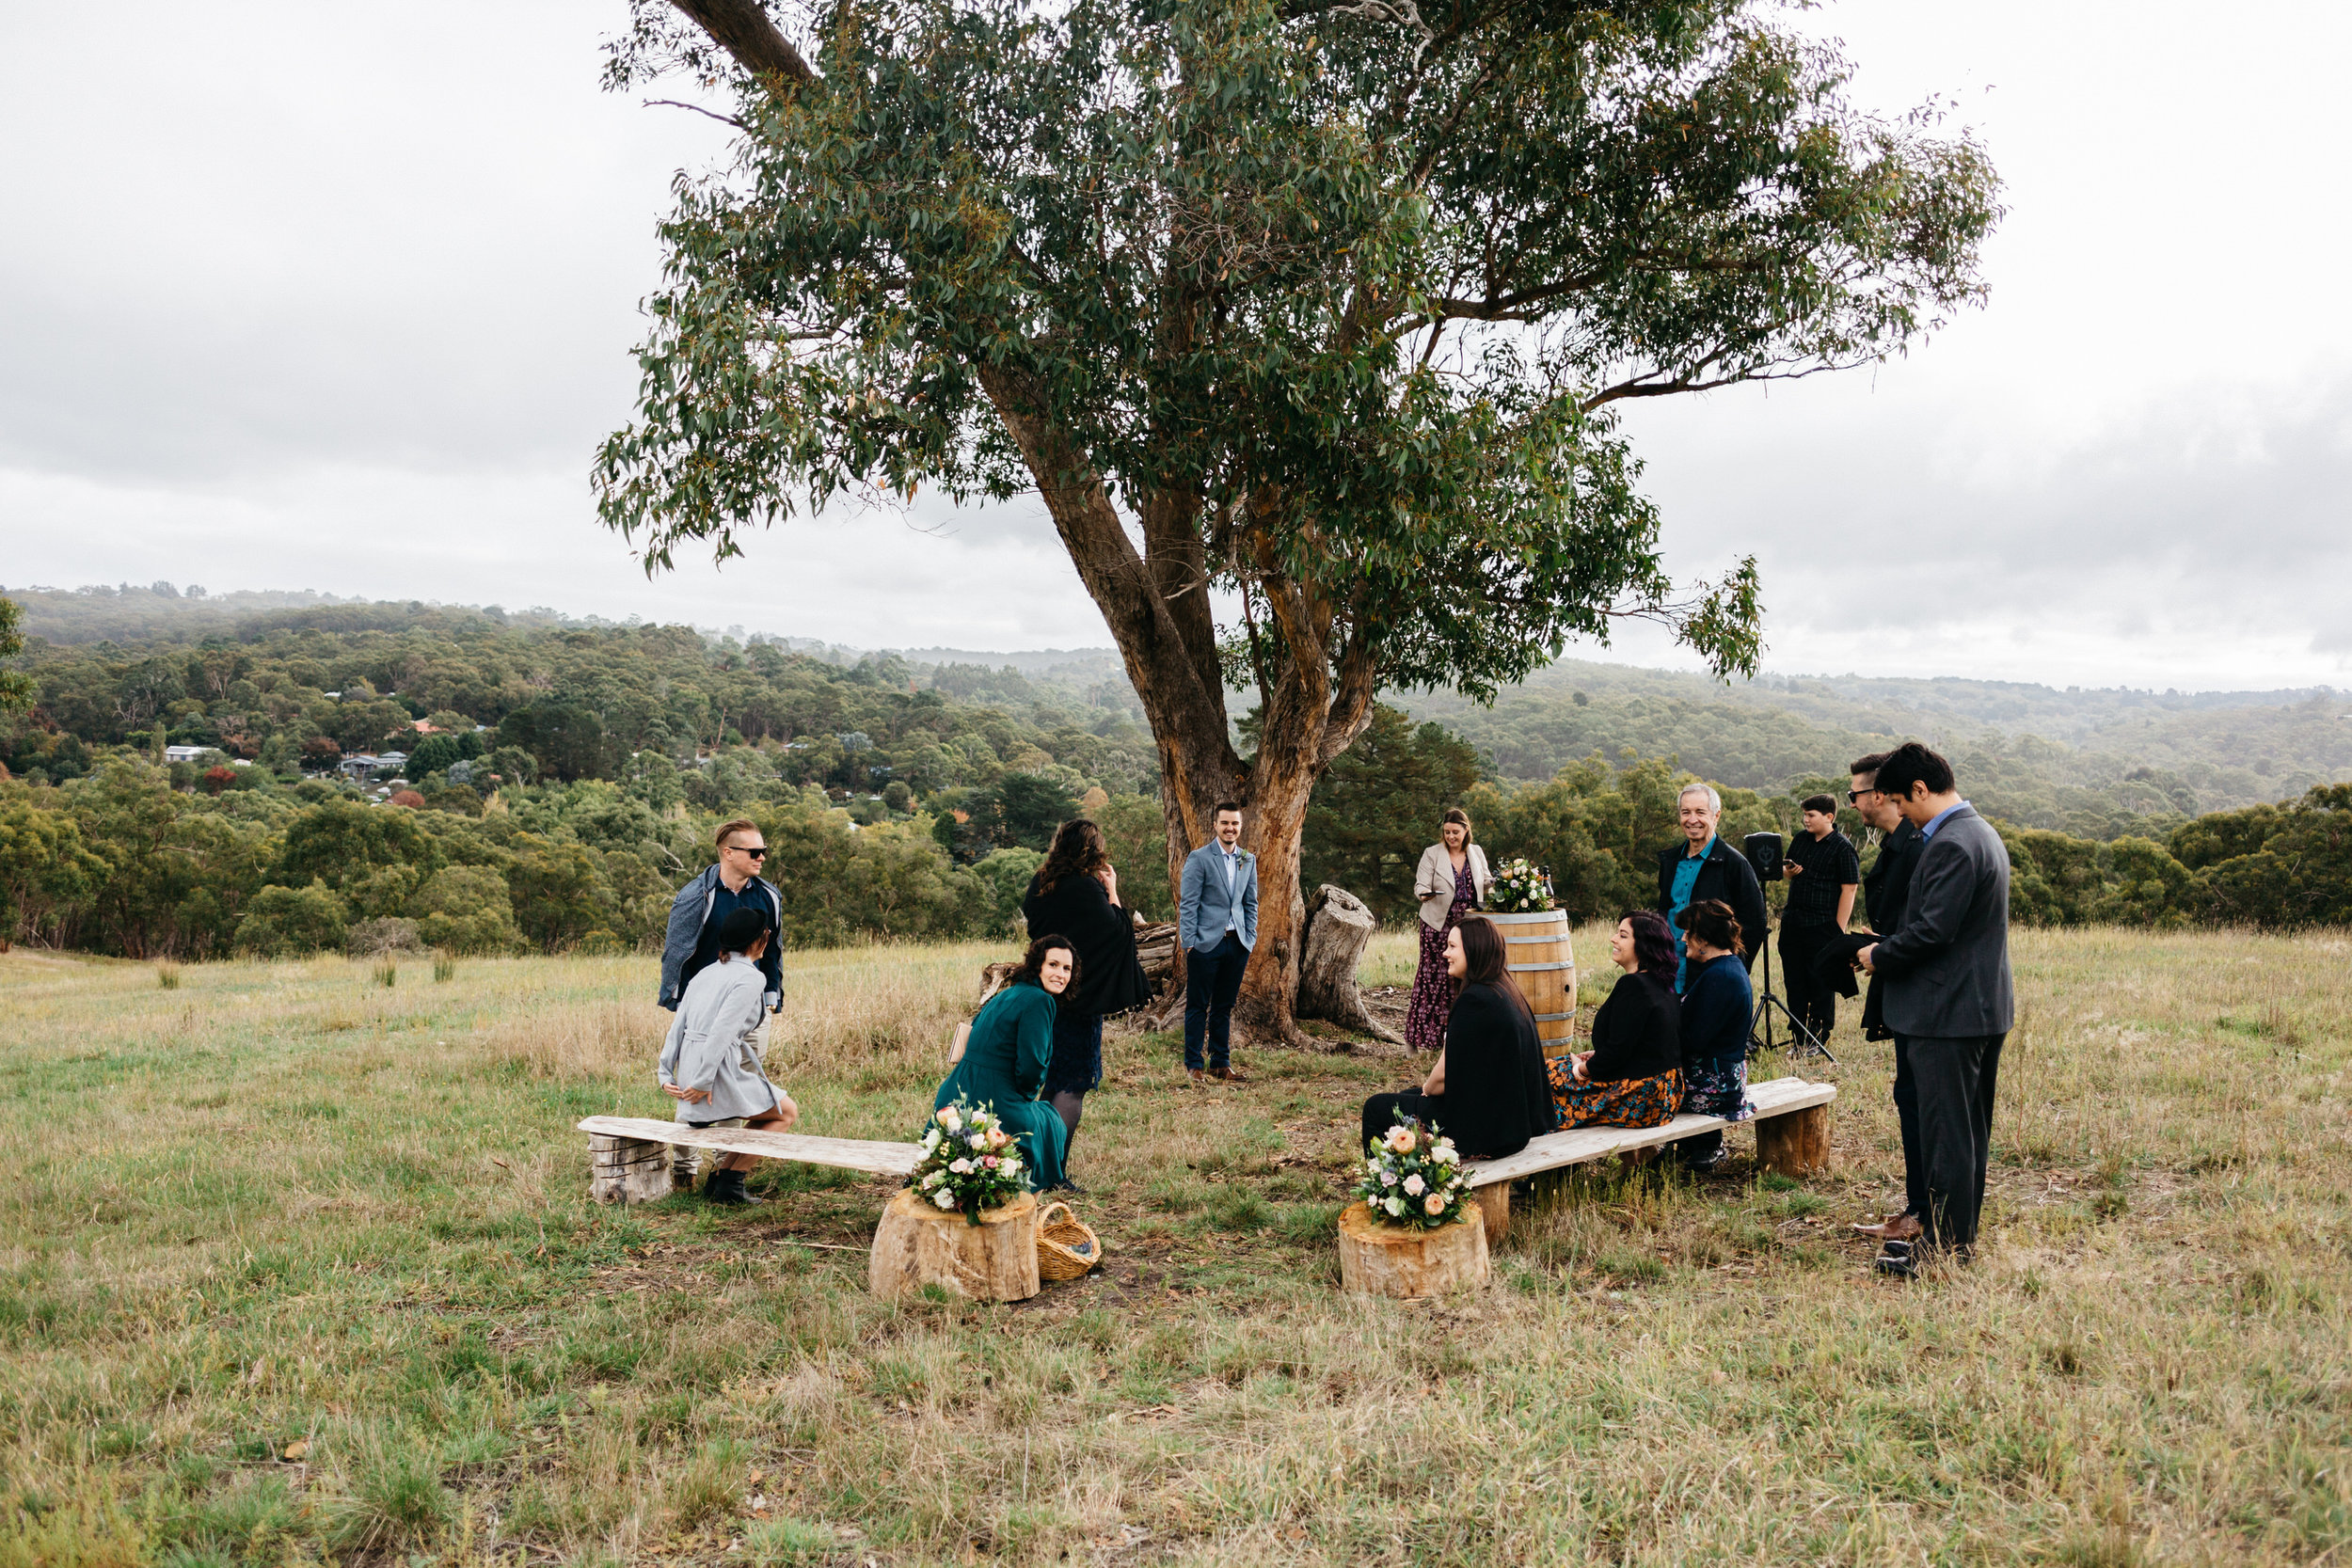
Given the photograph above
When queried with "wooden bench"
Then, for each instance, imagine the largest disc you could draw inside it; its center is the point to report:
(1792, 1137)
(631, 1154)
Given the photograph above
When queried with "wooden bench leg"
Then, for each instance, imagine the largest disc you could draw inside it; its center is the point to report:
(1494, 1201)
(1796, 1144)
(627, 1170)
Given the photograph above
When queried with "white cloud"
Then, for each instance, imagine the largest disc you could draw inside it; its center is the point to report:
(309, 297)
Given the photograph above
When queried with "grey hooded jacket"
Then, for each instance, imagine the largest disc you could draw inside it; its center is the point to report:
(690, 911)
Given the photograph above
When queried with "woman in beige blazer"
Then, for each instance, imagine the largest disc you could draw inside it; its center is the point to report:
(1451, 880)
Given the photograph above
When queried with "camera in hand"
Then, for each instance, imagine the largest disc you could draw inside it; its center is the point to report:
(1764, 853)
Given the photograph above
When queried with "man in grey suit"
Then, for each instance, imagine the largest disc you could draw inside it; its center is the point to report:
(1216, 920)
(1949, 999)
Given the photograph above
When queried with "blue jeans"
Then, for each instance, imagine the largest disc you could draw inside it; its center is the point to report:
(1211, 980)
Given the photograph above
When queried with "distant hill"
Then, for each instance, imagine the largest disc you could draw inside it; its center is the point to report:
(2095, 763)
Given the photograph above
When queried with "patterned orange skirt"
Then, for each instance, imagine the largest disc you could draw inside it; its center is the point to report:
(1623, 1103)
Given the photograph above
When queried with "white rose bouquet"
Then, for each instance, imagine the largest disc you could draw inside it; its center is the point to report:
(1521, 887)
(969, 1162)
(1412, 1175)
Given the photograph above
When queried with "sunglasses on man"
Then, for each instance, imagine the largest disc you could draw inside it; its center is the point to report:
(751, 852)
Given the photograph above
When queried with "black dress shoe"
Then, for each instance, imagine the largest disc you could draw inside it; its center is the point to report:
(1066, 1186)
(1897, 1265)
(726, 1187)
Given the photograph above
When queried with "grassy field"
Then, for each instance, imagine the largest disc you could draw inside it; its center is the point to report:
(299, 1266)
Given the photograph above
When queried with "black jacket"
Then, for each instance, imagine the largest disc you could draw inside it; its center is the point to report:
(1884, 889)
(1496, 1093)
(1110, 976)
(1637, 1032)
(1726, 875)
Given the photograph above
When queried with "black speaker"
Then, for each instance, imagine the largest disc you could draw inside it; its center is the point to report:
(1764, 854)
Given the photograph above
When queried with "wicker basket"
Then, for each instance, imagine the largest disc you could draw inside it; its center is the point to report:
(1065, 1247)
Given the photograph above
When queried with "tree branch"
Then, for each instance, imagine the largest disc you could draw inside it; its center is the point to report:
(744, 30)
(713, 114)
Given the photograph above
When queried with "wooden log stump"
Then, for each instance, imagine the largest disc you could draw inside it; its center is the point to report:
(917, 1244)
(1338, 927)
(1377, 1260)
(627, 1170)
(1494, 1205)
(1796, 1144)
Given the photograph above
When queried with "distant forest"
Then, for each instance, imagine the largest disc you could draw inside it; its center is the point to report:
(561, 775)
(2097, 765)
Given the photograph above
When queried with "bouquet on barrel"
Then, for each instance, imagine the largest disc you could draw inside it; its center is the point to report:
(1521, 887)
(969, 1161)
(1411, 1176)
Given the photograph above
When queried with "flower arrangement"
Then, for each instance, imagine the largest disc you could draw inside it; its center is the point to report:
(969, 1161)
(1521, 888)
(1410, 1176)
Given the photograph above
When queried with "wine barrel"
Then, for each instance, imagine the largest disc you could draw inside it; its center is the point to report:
(1544, 965)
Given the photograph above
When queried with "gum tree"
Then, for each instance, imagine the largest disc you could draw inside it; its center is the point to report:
(1316, 317)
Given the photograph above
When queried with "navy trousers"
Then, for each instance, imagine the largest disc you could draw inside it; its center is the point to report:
(1955, 1079)
(1211, 980)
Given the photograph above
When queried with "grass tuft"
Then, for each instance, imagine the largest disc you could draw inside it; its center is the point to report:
(396, 1500)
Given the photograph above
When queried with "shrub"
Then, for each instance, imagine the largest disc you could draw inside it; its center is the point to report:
(465, 908)
(387, 934)
(284, 921)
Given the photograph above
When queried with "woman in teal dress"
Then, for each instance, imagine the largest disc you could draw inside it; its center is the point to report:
(1005, 1061)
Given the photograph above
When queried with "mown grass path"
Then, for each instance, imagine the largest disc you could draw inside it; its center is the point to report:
(297, 1267)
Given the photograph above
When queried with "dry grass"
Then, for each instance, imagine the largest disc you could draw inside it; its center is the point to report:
(295, 1265)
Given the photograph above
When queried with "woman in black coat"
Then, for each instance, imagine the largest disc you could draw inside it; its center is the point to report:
(1487, 1091)
(1074, 895)
(1632, 1076)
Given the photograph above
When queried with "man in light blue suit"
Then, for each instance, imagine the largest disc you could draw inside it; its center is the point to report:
(1216, 920)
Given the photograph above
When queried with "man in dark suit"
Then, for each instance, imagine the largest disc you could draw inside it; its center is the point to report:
(1949, 998)
(1703, 867)
(1885, 887)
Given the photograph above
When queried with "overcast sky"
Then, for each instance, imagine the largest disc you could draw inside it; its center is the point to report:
(342, 298)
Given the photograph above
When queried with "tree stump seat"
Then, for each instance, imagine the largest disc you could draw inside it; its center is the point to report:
(1378, 1259)
(918, 1244)
(1792, 1137)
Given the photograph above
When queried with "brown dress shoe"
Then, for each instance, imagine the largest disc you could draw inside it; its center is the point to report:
(1197, 1075)
(1897, 1227)
(1227, 1075)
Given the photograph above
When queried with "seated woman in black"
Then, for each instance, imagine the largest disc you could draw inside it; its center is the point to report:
(1632, 1076)
(1488, 1090)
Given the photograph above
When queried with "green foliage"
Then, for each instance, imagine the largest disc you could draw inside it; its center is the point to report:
(465, 908)
(1007, 873)
(282, 922)
(16, 687)
(1135, 831)
(1377, 808)
(2302, 874)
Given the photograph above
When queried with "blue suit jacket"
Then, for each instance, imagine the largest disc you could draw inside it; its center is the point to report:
(1206, 909)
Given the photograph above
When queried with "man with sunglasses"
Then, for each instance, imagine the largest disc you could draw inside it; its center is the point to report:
(701, 905)
(691, 944)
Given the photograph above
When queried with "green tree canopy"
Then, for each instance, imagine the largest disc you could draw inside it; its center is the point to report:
(1328, 306)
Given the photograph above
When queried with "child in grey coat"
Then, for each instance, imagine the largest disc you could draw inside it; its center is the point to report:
(711, 1062)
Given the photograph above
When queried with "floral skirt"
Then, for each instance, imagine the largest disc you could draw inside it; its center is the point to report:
(1432, 1001)
(1624, 1102)
(1717, 1087)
